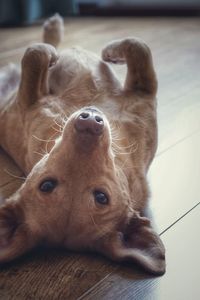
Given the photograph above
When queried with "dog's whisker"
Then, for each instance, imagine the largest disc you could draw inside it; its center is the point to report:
(125, 153)
(63, 113)
(41, 154)
(13, 175)
(116, 139)
(124, 147)
(93, 221)
(64, 120)
(115, 132)
(124, 164)
(48, 141)
(59, 125)
(42, 140)
(118, 149)
(91, 215)
(46, 148)
(57, 130)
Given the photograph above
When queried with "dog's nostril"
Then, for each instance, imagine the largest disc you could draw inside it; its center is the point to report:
(84, 115)
(98, 119)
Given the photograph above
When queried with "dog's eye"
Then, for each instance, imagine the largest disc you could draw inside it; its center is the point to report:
(48, 185)
(101, 197)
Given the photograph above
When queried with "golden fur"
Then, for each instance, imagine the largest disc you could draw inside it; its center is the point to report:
(37, 128)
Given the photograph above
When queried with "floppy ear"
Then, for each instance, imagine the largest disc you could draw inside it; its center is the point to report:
(137, 243)
(14, 233)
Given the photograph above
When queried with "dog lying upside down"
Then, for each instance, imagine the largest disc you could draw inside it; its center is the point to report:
(89, 190)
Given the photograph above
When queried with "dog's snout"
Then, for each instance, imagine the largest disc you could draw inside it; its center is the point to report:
(90, 121)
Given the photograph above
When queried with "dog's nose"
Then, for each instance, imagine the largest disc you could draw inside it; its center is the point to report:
(90, 121)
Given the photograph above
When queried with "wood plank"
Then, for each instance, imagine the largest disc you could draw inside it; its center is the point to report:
(181, 281)
(174, 181)
(52, 274)
(178, 119)
(12, 38)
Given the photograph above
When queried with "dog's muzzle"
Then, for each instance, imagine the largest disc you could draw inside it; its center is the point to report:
(90, 121)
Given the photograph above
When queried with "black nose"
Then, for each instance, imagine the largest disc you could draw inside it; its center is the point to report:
(90, 121)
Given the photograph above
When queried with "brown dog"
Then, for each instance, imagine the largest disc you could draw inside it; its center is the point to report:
(89, 189)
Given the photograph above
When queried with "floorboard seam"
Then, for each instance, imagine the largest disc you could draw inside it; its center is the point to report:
(179, 219)
(93, 287)
(177, 142)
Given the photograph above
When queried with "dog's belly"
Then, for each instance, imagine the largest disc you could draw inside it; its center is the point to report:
(77, 67)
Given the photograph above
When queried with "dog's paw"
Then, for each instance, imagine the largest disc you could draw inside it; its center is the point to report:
(113, 53)
(53, 30)
(43, 54)
(54, 23)
(118, 51)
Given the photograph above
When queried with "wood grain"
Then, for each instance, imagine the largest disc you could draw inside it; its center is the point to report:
(52, 274)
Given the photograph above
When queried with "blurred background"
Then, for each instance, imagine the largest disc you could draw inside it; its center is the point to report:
(26, 12)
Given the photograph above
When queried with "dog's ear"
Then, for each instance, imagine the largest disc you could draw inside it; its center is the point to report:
(15, 236)
(138, 243)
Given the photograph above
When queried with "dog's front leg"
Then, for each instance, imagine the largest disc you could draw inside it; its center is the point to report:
(35, 64)
(141, 77)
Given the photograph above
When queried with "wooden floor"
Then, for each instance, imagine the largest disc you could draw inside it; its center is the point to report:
(174, 176)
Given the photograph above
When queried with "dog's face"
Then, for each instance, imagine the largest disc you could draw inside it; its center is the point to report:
(77, 197)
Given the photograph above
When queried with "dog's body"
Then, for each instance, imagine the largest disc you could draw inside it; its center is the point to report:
(65, 108)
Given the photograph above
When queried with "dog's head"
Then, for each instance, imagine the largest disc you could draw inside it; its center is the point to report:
(77, 197)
